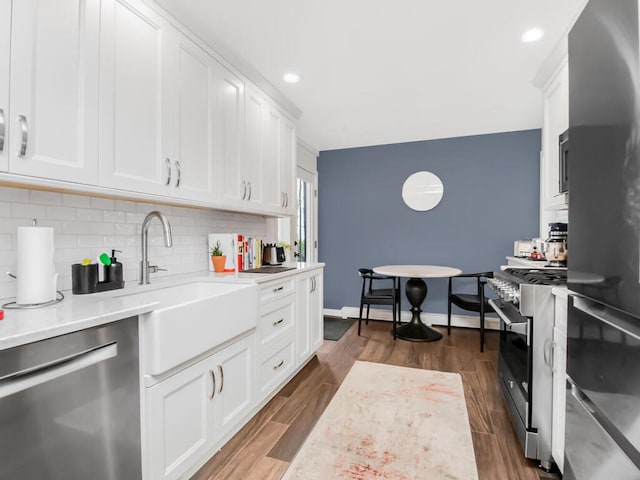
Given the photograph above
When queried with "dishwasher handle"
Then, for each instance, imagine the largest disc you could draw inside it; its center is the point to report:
(23, 380)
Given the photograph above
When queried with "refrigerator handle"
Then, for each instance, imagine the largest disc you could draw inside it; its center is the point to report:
(611, 317)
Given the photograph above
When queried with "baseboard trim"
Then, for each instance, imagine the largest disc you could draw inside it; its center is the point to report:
(464, 321)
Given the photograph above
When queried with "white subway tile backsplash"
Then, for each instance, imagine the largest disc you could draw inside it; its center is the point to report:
(46, 198)
(125, 229)
(61, 213)
(87, 226)
(79, 201)
(125, 206)
(114, 216)
(82, 228)
(102, 228)
(19, 195)
(27, 210)
(5, 241)
(89, 215)
(102, 203)
(90, 241)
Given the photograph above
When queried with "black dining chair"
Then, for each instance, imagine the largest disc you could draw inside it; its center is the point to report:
(474, 302)
(379, 296)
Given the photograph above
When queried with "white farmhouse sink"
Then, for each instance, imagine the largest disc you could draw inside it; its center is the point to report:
(192, 319)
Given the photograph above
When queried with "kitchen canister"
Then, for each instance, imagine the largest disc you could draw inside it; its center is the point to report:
(36, 278)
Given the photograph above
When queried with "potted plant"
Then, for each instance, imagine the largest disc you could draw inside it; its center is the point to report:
(219, 260)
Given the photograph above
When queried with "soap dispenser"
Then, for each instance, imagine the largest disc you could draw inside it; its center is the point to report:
(113, 273)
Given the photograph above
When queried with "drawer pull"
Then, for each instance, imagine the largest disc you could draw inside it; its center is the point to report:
(278, 365)
(275, 324)
(221, 378)
(279, 289)
(213, 387)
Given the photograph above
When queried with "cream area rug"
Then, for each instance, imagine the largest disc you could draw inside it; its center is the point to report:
(390, 423)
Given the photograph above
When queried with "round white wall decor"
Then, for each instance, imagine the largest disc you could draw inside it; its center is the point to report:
(422, 191)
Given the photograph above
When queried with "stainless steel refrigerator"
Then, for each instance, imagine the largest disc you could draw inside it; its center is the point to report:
(603, 341)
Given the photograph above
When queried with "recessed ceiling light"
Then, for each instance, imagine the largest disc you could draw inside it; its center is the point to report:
(532, 35)
(291, 77)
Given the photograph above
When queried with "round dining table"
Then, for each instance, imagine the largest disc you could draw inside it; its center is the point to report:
(416, 289)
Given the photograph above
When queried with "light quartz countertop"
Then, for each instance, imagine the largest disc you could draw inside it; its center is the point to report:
(78, 312)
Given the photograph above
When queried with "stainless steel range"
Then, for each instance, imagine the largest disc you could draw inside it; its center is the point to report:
(526, 310)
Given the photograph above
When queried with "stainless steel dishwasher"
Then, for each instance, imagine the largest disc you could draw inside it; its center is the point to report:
(70, 406)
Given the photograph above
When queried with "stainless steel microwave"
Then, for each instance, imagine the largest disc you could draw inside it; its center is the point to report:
(563, 177)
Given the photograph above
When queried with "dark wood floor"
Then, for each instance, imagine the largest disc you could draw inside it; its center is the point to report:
(266, 445)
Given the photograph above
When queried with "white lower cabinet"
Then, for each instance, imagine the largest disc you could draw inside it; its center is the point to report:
(309, 325)
(192, 410)
(277, 324)
(559, 369)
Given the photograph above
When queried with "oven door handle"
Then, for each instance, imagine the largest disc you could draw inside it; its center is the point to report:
(521, 328)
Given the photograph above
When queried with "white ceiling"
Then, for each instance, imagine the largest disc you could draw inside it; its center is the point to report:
(382, 71)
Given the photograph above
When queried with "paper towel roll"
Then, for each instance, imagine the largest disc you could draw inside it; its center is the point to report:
(35, 269)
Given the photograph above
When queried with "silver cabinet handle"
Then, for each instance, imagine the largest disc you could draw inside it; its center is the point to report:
(244, 189)
(282, 199)
(221, 378)
(22, 120)
(275, 367)
(179, 173)
(2, 129)
(168, 171)
(249, 197)
(279, 289)
(313, 284)
(275, 324)
(44, 373)
(213, 386)
(286, 200)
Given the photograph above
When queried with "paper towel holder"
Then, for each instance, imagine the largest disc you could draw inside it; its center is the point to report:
(16, 306)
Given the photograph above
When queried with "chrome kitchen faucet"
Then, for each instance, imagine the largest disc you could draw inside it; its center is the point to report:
(145, 268)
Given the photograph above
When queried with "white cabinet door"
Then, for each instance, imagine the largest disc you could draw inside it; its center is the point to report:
(53, 109)
(235, 370)
(5, 42)
(287, 165)
(192, 96)
(559, 368)
(179, 421)
(273, 194)
(229, 136)
(134, 122)
(253, 168)
(316, 321)
(555, 120)
(309, 324)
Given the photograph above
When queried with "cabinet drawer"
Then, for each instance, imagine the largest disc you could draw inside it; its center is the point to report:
(276, 321)
(275, 368)
(277, 289)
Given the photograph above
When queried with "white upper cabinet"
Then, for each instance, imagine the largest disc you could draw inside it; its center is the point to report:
(134, 115)
(288, 164)
(192, 95)
(273, 194)
(553, 79)
(279, 162)
(53, 111)
(253, 167)
(5, 42)
(229, 137)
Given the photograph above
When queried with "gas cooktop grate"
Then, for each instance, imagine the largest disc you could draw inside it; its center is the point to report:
(539, 277)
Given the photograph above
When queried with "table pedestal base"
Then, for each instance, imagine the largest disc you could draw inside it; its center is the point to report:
(416, 330)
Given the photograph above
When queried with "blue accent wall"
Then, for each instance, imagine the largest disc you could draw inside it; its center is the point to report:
(491, 198)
